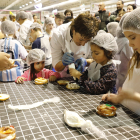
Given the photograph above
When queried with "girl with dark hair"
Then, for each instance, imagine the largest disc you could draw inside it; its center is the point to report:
(36, 59)
(101, 75)
(68, 13)
(131, 7)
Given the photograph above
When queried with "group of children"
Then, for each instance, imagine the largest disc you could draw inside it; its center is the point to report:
(101, 75)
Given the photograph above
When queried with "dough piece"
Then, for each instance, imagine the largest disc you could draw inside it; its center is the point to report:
(12, 61)
(40, 81)
(106, 110)
(63, 82)
(72, 86)
(7, 133)
(4, 97)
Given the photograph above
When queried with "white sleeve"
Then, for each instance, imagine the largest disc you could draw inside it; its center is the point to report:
(89, 52)
(22, 51)
(56, 48)
(132, 105)
(23, 35)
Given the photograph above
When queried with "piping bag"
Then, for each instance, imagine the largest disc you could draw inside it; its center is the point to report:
(23, 107)
(68, 48)
(74, 120)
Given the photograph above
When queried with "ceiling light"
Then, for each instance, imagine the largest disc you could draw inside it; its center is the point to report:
(20, 7)
(56, 5)
(26, 3)
(30, 2)
(23, 5)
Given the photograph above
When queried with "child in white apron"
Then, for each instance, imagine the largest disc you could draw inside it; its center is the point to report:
(101, 75)
(129, 95)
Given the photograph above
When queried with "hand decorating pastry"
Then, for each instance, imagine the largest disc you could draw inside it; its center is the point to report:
(72, 86)
(4, 97)
(40, 81)
(63, 82)
(106, 110)
(7, 133)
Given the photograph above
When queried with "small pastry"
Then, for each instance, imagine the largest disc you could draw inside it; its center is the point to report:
(4, 97)
(72, 86)
(106, 110)
(7, 133)
(40, 81)
(63, 82)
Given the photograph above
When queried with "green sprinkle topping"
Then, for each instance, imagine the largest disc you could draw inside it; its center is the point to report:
(108, 105)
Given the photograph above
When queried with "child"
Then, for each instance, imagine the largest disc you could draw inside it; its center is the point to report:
(12, 47)
(112, 27)
(59, 18)
(41, 42)
(48, 27)
(22, 19)
(124, 54)
(129, 96)
(102, 74)
(36, 59)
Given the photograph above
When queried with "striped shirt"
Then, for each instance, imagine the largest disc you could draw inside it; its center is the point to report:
(16, 51)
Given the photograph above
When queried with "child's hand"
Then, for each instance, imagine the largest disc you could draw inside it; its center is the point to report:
(112, 98)
(75, 73)
(20, 80)
(116, 98)
(52, 78)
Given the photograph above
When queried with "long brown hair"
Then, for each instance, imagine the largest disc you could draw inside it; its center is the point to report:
(32, 72)
(135, 60)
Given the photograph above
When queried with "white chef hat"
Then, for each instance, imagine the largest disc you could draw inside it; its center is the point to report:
(132, 22)
(111, 27)
(8, 27)
(21, 15)
(35, 55)
(49, 20)
(35, 25)
(106, 41)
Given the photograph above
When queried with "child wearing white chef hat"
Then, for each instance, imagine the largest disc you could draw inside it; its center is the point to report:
(101, 75)
(36, 59)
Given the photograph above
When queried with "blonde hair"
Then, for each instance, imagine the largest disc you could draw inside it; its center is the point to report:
(135, 60)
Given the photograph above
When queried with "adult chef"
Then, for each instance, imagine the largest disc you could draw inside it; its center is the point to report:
(74, 36)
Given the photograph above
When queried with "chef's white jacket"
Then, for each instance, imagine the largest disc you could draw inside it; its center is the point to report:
(58, 48)
(23, 33)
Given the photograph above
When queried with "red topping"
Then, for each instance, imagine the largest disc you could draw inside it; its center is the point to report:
(113, 107)
(11, 126)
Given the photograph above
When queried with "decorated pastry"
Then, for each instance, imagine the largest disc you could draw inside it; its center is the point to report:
(72, 86)
(40, 81)
(7, 133)
(4, 97)
(106, 110)
(63, 82)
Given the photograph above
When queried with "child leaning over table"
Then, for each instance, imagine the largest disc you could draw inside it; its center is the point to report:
(129, 95)
(101, 75)
(14, 48)
(36, 59)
